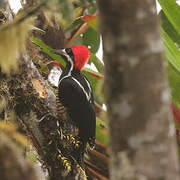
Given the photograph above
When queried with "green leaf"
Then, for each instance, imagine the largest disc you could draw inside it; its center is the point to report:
(72, 26)
(172, 52)
(172, 11)
(174, 83)
(173, 57)
(46, 49)
(91, 38)
(78, 41)
(169, 29)
(101, 131)
(96, 61)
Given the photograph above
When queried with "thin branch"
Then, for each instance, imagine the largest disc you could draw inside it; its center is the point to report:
(80, 31)
(91, 165)
(99, 155)
(97, 175)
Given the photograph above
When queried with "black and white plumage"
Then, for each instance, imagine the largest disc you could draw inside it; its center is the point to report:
(75, 93)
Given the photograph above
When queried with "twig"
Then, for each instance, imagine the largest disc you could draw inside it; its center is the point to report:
(99, 155)
(21, 19)
(81, 30)
(97, 175)
(102, 146)
(91, 165)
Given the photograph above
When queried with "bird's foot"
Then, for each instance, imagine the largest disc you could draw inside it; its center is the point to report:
(81, 170)
(73, 140)
(65, 162)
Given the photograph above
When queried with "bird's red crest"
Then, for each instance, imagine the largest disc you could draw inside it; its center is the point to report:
(81, 55)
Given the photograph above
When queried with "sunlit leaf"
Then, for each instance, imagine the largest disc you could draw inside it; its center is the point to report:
(172, 52)
(101, 131)
(169, 28)
(172, 11)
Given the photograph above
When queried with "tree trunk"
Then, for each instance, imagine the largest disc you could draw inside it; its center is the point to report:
(141, 127)
(13, 166)
(31, 98)
(12, 162)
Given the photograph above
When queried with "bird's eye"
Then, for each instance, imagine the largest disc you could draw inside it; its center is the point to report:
(70, 53)
(68, 50)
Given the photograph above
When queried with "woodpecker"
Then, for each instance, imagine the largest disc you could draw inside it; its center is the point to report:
(75, 93)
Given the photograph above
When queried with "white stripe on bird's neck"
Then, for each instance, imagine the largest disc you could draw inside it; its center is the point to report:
(87, 94)
(71, 65)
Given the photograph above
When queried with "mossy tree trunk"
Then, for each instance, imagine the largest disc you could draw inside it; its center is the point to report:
(31, 98)
(13, 165)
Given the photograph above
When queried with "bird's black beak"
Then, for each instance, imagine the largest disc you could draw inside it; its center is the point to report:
(60, 52)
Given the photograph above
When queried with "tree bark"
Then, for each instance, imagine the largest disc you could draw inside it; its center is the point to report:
(13, 165)
(29, 95)
(12, 162)
(141, 128)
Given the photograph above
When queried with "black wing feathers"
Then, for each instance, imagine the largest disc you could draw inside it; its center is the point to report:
(79, 108)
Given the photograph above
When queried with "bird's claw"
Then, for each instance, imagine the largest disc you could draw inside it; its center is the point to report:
(81, 170)
(65, 162)
(73, 140)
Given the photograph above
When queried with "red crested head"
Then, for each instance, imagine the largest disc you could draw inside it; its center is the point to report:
(81, 55)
